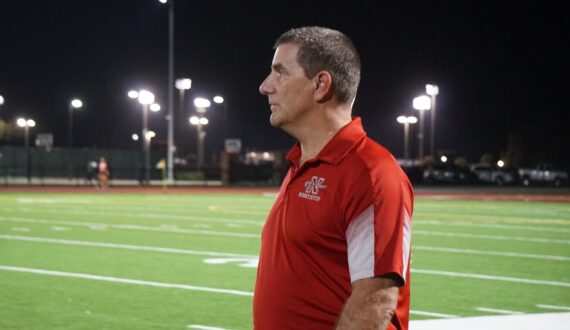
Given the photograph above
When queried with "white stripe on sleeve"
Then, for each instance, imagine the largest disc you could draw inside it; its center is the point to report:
(360, 239)
(406, 242)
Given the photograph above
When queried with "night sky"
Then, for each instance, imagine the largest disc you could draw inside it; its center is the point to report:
(501, 68)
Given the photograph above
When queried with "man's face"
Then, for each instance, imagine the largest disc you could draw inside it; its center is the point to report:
(289, 91)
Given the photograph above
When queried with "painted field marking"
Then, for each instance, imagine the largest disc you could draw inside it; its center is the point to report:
(20, 229)
(498, 311)
(493, 253)
(124, 280)
(142, 214)
(125, 246)
(496, 322)
(497, 218)
(490, 277)
(493, 237)
(203, 327)
(561, 308)
(439, 315)
(489, 225)
(131, 227)
(241, 262)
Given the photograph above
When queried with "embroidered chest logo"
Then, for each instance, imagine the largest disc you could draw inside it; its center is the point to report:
(312, 189)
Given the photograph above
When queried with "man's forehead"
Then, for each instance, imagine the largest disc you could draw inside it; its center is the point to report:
(285, 54)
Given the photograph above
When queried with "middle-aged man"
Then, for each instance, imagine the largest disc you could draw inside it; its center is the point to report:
(335, 249)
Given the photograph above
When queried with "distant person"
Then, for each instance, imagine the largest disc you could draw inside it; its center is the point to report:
(92, 169)
(335, 249)
(103, 174)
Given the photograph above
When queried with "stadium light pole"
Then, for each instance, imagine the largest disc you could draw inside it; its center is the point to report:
(75, 104)
(406, 121)
(170, 115)
(218, 99)
(421, 103)
(432, 91)
(26, 123)
(182, 84)
(199, 122)
(145, 98)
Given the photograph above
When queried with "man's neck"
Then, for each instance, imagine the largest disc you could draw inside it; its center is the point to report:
(320, 130)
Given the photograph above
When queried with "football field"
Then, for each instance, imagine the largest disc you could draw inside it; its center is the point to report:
(187, 261)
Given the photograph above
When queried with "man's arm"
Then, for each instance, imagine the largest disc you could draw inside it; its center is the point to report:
(371, 304)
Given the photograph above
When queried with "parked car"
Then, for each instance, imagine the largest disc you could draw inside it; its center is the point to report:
(543, 173)
(448, 173)
(496, 175)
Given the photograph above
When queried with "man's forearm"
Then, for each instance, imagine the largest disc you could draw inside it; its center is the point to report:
(369, 307)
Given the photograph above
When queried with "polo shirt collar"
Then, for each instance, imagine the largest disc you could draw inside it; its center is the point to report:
(337, 148)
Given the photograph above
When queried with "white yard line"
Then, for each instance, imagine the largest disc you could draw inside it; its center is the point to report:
(161, 228)
(124, 246)
(203, 327)
(560, 308)
(492, 253)
(490, 277)
(493, 237)
(439, 315)
(498, 311)
(124, 280)
(489, 225)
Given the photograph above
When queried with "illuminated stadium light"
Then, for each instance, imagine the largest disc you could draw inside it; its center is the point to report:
(218, 99)
(1, 99)
(432, 89)
(163, 1)
(422, 103)
(194, 120)
(412, 119)
(133, 94)
(146, 97)
(76, 103)
(183, 83)
(500, 163)
(154, 107)
(135, 137)
(204, 121)
(202, 103)
(150, 134)
(443, 159)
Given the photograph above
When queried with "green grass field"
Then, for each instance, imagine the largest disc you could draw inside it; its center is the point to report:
(142, 261)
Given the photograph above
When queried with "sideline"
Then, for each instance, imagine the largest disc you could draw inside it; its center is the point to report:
(550, 321)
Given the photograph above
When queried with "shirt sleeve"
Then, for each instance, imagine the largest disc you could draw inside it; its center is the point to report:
(378, 234)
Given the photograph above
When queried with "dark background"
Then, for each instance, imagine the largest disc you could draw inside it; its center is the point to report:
(501, 67)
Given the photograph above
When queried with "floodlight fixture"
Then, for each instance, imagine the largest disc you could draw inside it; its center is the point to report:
(1, 99)
(76, 103)
(432, 89)
(183, 83)
(202, 103)
(133, 94)
(218, 99)
(204, 121)
(194, 120)
(422, 103)
(500, 163)
(146, 97)
(443, 159)
(135, 137)
(154, 107)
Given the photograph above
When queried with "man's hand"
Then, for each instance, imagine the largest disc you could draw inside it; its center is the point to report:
(371, 304)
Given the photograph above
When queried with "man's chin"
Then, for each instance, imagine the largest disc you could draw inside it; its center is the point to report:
(274, 121)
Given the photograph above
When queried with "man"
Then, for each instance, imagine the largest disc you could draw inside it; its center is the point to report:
(335, 248)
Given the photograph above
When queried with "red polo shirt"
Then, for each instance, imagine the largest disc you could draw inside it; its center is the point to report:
(344, 215)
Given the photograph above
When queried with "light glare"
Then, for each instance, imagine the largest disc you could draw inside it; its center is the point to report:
(204, 121)
(500, 163)
(422, 103)
(31, 123)
(155, 107)
(21, 122)
(146, 97)
(135, 137)
(194, 120)
(184, 83)
(76, 103)
(1, 99)
(201, 102)
(412, 119)
(443, 159)
(218, 99)
(432, 89)
(133, 94)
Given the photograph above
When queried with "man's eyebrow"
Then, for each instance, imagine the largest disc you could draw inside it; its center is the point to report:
(278, 67)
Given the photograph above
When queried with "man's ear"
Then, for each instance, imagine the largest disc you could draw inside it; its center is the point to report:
(323, 86)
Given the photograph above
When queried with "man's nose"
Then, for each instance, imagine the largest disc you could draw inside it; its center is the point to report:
(265, 88)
